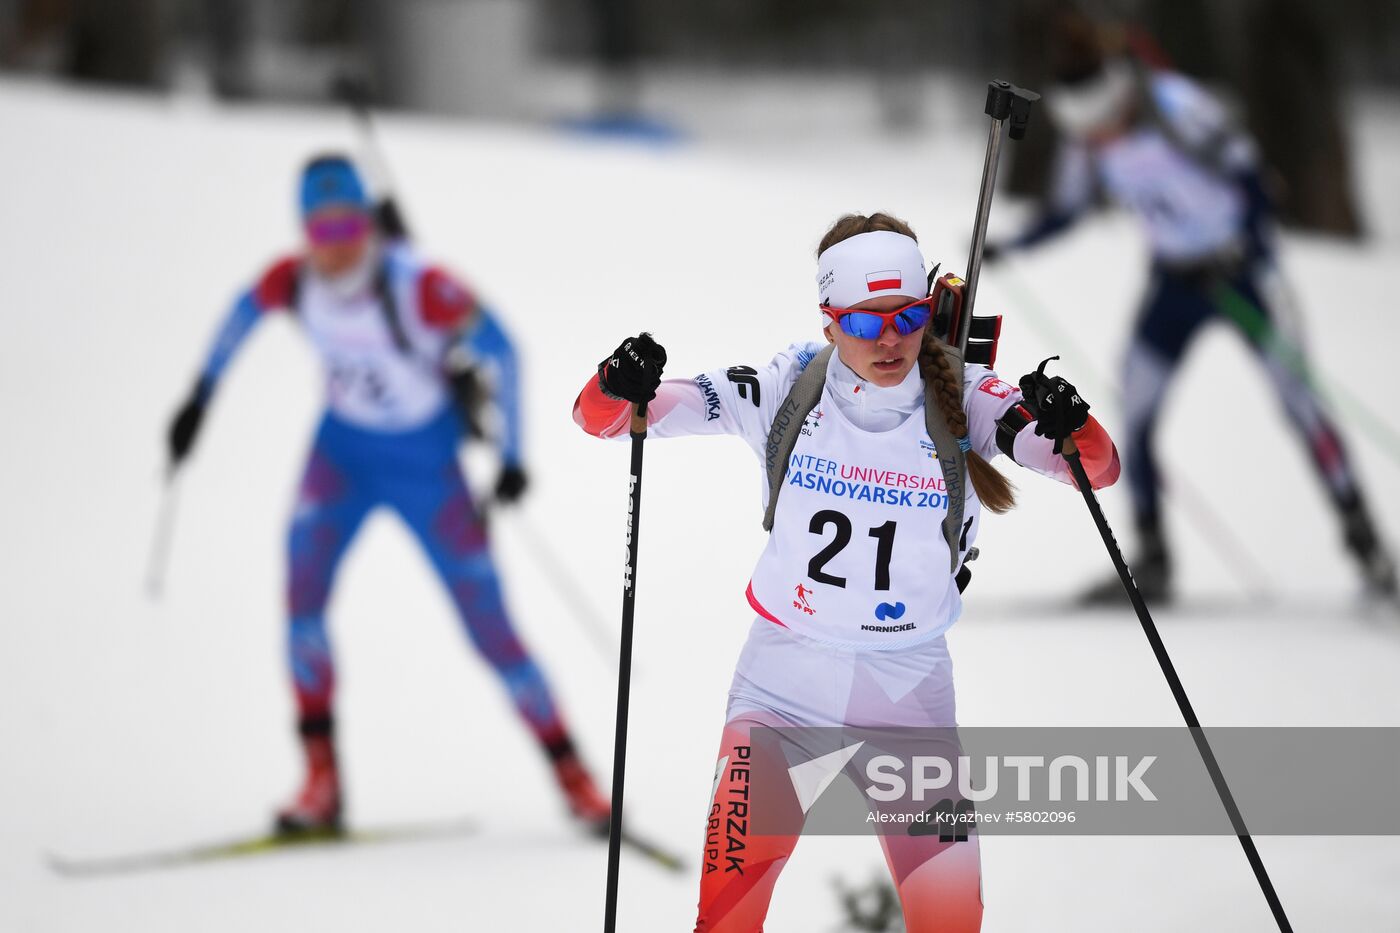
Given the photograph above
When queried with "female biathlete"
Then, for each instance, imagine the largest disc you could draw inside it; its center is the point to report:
(854, 635)
(401, 341)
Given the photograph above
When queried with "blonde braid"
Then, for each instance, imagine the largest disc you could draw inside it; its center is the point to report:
(993, 489)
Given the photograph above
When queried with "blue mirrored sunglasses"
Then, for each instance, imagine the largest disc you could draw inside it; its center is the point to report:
(867, 325)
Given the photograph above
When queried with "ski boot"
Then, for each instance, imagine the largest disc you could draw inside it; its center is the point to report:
(874, 907)
(1377, 565)
(315, 811)
(1151, 573)
(586, 801)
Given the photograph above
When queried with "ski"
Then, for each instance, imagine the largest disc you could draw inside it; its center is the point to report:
(659, 856)
(641, 845)
(264, 844)
(273, 843)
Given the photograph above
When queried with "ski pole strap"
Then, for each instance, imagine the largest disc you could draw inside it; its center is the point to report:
(389, 219)
(389, 309)
(383, 292)
(787, 425)
(1008, 426)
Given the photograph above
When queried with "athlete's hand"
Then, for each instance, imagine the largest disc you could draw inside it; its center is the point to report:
(469, 395)
(511, 484)
(993, 252)
(1055, 403)
(184, 428)
(633, 371)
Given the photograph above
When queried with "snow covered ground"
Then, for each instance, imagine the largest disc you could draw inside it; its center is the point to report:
(127, 224)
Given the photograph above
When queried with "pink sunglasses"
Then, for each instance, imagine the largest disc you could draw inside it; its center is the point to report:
(346, 228)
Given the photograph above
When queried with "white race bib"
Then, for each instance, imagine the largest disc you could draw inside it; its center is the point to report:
(370, 381)
(857, 555)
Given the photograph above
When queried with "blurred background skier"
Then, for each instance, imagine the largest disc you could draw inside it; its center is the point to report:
(1165, 149)
(409, 355)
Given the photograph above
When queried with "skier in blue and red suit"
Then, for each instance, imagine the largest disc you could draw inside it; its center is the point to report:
(409, 356)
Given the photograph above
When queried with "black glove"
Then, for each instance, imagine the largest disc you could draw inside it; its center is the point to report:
(1056, 405)
(389, 221)
(993, 252)
(511, 484)
(185, 426)
(634, 370)
(470, 397)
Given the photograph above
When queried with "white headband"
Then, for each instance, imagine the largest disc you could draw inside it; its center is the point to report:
(870, 265)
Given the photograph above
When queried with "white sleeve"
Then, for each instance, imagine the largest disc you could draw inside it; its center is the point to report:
(1202, 121)
(1072, 182)
(986, 397)
(740, 400)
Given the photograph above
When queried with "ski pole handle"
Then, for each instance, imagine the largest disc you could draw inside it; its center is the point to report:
(1071, 455)
(638, 426)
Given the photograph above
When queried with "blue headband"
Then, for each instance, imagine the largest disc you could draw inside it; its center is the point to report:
(329, 181)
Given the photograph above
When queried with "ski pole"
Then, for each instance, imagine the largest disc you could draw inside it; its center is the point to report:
(1183, 703)
(354, 92)
(624, 666)
(1257, 327)
(1005, 101)
(159, 555)
(555, 570)
(566, 586)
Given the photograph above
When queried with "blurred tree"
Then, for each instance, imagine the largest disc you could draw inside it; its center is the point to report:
(1294, 110)
(1028, 173)
(1376, 34)
(227, 27)
(1189, 32)
(616, 38)
(118, 41)
(31, 33)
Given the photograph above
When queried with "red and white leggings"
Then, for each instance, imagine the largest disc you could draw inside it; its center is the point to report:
(785, 681)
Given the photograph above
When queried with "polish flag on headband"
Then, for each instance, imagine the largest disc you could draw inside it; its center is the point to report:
(870, 265)
(880, 281)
